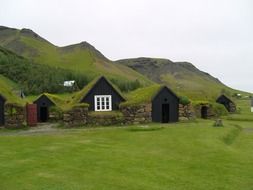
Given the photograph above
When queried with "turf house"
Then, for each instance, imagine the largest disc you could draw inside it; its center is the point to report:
(12, 112)
(229, 104)
(155, 103)
(47, 107)
(101, 95)
(96, 104)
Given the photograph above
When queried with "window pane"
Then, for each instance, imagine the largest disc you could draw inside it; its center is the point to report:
(107, 99)
(98, 107)
(103, 107)
(98, 99)
(107, 107)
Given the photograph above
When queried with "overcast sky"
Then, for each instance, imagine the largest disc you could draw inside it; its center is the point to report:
(214, 35)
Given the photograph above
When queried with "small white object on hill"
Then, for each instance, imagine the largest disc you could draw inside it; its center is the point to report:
(69, 83)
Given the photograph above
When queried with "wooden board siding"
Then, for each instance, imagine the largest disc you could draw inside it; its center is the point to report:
(103, 87)
(165, 96)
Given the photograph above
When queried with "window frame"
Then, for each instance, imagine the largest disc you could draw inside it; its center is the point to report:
(98, 102)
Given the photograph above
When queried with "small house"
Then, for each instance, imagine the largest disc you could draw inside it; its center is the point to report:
(229, 104)
(12, 112)
(2, 103)
(154, 103)
(44, 104)
(165, 106)
(101, 95)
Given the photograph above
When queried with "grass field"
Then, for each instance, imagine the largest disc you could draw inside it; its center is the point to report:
(180, 156)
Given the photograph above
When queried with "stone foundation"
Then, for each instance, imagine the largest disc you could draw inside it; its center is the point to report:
(14, 116)
(186, 112)
(137, 114)
(232, 107)
(105, 118)
(76, 117)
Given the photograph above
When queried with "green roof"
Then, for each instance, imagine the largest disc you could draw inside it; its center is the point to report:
(142, 95)
(77, 98)
(59, 102)
(6, 90)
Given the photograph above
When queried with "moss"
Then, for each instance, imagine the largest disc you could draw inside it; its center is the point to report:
(106, 113)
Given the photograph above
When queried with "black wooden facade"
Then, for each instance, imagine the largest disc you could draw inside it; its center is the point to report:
(229, 104)
(102, 87)
(165, 106)
(2, 102)
(43, 105)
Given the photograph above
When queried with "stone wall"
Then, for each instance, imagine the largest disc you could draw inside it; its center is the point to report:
(137, 114)
(232, 107)
(15, 116)
(105, 118)
(55, 114)
(186, 112)
(76, 116)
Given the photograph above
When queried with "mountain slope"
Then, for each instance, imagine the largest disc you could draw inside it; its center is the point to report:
(183, 77)
(81, 57)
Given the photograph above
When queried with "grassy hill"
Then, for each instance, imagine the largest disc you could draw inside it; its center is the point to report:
(182, 77)
(82, 57)
(129, 74)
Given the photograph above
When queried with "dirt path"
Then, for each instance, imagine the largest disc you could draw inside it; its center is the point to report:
(40, 129)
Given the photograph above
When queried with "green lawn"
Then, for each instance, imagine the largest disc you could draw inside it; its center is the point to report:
(178, 156)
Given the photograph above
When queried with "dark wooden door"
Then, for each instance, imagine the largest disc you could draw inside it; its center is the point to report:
(43, 114)
(204, 112)
(165, 113)
(1, 113)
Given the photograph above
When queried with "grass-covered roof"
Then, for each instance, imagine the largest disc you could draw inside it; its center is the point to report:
(57, 100)
(77, 98)
(6, 90)
(142, 95)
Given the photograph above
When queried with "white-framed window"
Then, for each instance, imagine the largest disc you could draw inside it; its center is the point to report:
(103, 102)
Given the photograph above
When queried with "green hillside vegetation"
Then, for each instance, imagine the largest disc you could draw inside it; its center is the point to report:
(81, 57)
(182, 77)
(8, 89)
(36, 78)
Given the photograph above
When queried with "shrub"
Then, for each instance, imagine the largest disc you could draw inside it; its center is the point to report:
(184, 100)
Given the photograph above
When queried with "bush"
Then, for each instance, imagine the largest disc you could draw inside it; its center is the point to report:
(184, 100)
